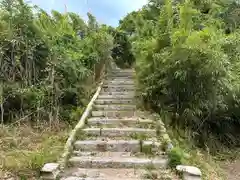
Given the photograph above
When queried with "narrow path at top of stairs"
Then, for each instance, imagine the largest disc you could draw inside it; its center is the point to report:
(117, 144)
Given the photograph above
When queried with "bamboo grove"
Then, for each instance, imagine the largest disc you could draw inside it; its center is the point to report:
(49, 62)
(188, 62)
(186, 54)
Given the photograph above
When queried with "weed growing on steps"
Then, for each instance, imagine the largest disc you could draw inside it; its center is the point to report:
(155, 176)
(147, 149)
(139, 136)
(150, 167)
(81, 135)
(196, 157)
(147, 126)
(159, 174)
(176, 157)
(150, 175)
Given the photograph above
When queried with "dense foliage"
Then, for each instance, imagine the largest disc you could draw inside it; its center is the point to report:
(188, 64)
(122, 51)
(49, 63)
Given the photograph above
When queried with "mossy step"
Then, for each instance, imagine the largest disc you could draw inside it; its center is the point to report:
(109, 78)
(118, 93)
(112, 87)
(88, 178)
(124, 96)
(122, 125)
(118, 174)
(116, 162)
(115, 101)
(116, 145)
(129, 86)
(122, 73)
(117, 89)
(118, 83)
(133, 136)
(119, 132)
(114, 107)
(112, 145)
(113, 113)
(97, 121)
(107, 173)
(126, 81)
(123, 70)
(102, 154)
(145, 154)
(115, 73)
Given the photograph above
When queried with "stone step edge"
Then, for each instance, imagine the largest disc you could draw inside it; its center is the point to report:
(100, 120)
(113, 113)
(97, 153)
(114, 107)
(113, 97)
(114, 145)
(114, 101)
(113, 110)
(87, 178)
(121, 100)
(125, 82)
(117, 162)
(119, 131)
(132, 92)
(94, 173)
(116, 96)
(119, 85)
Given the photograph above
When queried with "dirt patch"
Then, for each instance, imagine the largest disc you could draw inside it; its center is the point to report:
(232, 169)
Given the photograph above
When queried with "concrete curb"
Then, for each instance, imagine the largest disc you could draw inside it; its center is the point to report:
(52, 172)
(69, 144)
(188, 172)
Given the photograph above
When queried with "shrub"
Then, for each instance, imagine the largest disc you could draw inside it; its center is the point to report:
(190, 71)
(47, 61)
(176, 157)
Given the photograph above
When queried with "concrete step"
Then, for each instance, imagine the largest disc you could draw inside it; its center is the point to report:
(110, 88)
(112, 145)
(114, 107)
(119, 82)
(116, 146)
(124, 93)
(109, 78)
(107, 173)
(120, 132)
(116, 121)
(115, 101)
(122, 75)
(125, 96)
(84, 153)
(112, 113)
(88, 178)
(123, 72)
(116, 162)
(117, 89)
(118, 174)
(103, 154)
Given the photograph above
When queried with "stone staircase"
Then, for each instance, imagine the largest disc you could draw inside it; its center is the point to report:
(116, 143)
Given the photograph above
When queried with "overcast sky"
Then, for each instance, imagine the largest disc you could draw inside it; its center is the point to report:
(106, 11)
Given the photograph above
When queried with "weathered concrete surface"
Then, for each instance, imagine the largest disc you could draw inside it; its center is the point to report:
(118, 141)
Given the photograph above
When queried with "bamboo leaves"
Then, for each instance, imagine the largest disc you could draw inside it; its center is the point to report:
(42, 58)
